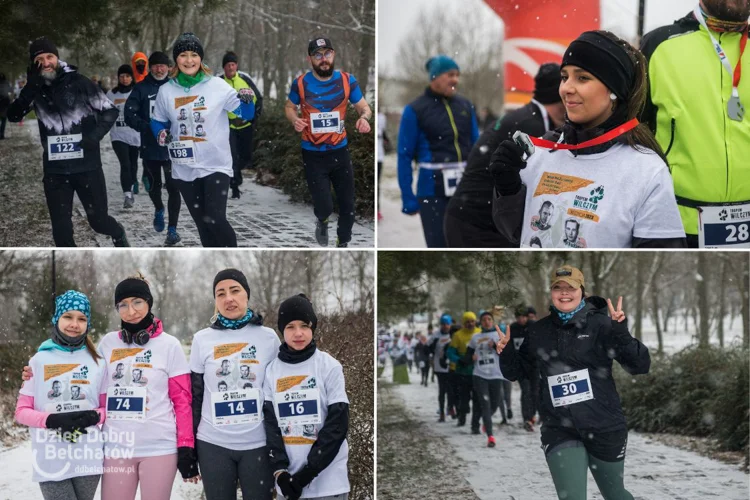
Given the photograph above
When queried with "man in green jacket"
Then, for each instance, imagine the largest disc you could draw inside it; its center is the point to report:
(695, 108)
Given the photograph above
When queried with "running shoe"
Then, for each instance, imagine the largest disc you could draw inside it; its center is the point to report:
(159, 220)
(380, 216)
(321, 232)
(491, 442)
(236, 193)
(122, 240)
(172, 237)
(475, 432)
(129, 201)
(345, 244)
(135, 187)
(146, 183)
(510, 414)
(529, 426)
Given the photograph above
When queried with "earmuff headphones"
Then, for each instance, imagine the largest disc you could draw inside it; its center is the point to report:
(139, 338)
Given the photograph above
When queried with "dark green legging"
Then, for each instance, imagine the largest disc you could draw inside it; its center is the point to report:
(568, 464)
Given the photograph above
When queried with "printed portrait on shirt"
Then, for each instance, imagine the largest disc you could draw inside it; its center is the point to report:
(56, 391)
(183, 115)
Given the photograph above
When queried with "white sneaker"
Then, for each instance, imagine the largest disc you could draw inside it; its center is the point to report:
(129, 200)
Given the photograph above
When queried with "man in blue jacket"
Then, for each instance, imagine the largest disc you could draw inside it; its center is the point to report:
(138, 109)
(437, 131)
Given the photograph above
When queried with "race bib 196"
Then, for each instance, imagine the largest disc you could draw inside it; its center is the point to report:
(182, 152)
(298, 407)
(451, 178)
(236, 407)
(724, 226)
(323, 123)
(64, 147)
(569, 388)
(126, 403)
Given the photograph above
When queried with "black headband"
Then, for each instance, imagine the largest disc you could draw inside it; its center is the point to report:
(605, 59)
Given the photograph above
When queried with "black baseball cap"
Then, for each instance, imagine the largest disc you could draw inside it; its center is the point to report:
(318, 43)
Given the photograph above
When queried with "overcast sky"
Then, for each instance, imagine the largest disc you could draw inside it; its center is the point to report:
(396, 18)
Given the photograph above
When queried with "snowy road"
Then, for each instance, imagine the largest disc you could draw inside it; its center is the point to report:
(516, 469)
(396, 230)
(262, 217)
(15, 481)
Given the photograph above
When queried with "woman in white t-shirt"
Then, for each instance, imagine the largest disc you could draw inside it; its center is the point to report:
(306, 411)
(149, 424)
(190, 118)
(125, 140)
(610, 185)
(228, 363)
(62, 408)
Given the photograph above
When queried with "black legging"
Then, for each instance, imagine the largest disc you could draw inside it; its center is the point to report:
(241, 146)
(443, 391)
(152, 169)
(467, 393)
(92, 191)
(529, 397)
(323, 168)
(425, 373)
(206, 199)
(127, 155)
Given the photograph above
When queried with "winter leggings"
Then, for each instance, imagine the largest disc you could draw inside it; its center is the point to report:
(466, 394)
(568, 463)
(127, 155)
(221, 468)
(152, 169)
(443, 391)
(529, 397)
(425, 373)
(488, 392)
(75, 488)
(432, 213)
(92, 191)
(323, 168)
(507, 387)
(206, 199)
(241, 146)
(155, 475)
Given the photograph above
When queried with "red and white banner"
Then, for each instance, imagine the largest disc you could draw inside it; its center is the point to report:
(536, 32)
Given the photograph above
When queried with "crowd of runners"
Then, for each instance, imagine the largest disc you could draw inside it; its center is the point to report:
(193, 132)
(563, 363)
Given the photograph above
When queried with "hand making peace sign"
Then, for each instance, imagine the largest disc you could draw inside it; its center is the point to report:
(617, 315)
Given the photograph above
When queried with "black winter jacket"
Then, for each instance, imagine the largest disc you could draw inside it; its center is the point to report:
(71, 105)
(590, 340)
(138, 116)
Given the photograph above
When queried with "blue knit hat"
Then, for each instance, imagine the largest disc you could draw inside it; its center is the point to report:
(446, 319)
(72, 300)
(440, 64)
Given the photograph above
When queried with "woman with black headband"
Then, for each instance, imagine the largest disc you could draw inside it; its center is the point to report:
(610, 186)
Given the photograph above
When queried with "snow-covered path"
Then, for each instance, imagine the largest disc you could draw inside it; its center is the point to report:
(15, 480)
(396, 230)
(516, 468)
(262, 217)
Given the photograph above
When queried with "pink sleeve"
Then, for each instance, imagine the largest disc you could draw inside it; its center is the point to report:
(102, 410)
(27, 415)
(182, 398)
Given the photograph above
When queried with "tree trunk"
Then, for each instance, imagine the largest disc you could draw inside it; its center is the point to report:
(702, 289)
(745, 301)
(639, 286)
(655, 313)
(722, 303)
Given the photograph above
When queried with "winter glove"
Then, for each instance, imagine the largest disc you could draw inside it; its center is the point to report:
(291, 489)
(34, 80)
(619, 332)
(68, 424)
(304, 476)
(410, 207)
(187, 462)
(505, 166)
(88, 418)
(245, 95)
(164, 137)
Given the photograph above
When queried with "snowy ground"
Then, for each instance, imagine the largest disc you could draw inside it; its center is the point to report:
(516, 468)
(16, 484)
(262, 217)
(396, 230)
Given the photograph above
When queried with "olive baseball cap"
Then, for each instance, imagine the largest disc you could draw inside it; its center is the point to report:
(569, 274)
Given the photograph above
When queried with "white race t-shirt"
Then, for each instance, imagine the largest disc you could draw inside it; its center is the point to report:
(199, 115)
(150, 367)
(120, 131)
(487, 364)
(323, 376)
(65, 382)
(232, 360)
(600, 200)
(443, 339)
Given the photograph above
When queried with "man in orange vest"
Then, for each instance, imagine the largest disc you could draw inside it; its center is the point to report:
(322, 95)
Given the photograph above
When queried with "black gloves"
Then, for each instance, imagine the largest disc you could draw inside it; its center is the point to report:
(505, 165)
(620, 334)
(304, 476)
(74, 422)
(187, 462)
(34, 78)
(245, 95)
(290, 488)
